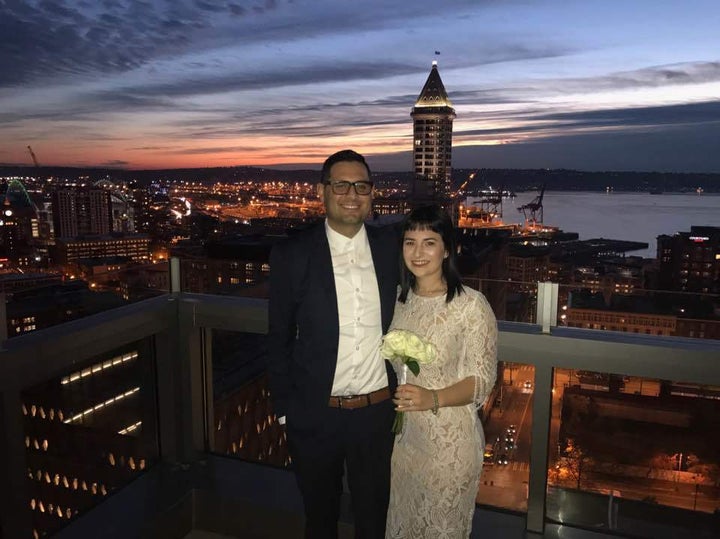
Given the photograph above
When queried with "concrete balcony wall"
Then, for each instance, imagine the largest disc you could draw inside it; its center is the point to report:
(190, 489)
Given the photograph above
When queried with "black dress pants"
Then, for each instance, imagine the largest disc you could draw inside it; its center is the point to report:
(359, 439)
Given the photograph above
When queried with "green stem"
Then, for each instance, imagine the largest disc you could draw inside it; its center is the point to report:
(398, 423)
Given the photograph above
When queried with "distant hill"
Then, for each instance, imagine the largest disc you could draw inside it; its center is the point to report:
(512, 179)
(577, 180)
(145, 177)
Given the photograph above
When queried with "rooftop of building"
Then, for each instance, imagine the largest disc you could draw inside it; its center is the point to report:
(657, 303)
(433, 93)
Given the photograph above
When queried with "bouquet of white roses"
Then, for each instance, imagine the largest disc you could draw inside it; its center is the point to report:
(412, 351)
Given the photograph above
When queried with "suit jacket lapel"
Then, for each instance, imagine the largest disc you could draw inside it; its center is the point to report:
(380, 262)
(321, 264)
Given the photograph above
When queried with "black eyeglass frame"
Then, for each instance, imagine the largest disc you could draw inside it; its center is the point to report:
(345, 185)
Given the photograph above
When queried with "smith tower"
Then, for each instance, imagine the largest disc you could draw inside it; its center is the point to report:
(433, 116)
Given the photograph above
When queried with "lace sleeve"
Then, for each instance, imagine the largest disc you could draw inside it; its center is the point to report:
(480, 358)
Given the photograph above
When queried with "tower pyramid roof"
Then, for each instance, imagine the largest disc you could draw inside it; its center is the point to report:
(433, 93)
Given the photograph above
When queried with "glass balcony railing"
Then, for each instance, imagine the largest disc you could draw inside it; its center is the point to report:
(579, 416)
(244, 423)
(507, 421)
(88, 432)
(80, 416)
(640, 439)
(242, 278)
(627, 309)
(512, 301)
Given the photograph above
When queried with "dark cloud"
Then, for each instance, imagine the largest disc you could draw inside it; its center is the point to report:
(79, 44)
(650, 77)
(51, 38)
(630, 119)
(691, 113)
(237, 10)
(210, 6)
(265, 79)
(89, 108)
(46, 39)
(675, 138)
(318, 120)
(115, 163)
(58, 10)
(678, 148)
(152, 148)
(217, 149)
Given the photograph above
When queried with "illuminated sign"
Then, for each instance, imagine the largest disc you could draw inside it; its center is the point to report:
(699, 239)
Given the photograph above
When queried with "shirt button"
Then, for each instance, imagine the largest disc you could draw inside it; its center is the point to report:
(357, 290)
(352, 260)
(357, 348)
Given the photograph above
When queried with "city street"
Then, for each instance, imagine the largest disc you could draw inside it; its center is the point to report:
(505, 485)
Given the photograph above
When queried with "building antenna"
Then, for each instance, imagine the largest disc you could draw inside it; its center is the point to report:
(32, 154)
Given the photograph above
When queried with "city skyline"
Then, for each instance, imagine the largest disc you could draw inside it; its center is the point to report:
(596, 86)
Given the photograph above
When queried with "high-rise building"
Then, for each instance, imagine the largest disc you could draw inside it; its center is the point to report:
(122, 210)
(19, 228)
(690, 261)
(141, 209)
(81, 212)
(433, 116)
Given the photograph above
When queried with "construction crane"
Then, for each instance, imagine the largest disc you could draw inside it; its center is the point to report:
(32, 154)
(461, 189)
(533, 209)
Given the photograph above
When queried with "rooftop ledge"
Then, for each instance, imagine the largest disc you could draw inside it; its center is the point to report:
(191, 489)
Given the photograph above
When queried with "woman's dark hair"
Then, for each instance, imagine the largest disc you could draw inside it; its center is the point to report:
(435, 218)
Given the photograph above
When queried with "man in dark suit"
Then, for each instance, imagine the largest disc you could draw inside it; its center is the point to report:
(332, 295)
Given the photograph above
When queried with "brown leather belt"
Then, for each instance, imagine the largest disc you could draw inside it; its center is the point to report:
(350, 402)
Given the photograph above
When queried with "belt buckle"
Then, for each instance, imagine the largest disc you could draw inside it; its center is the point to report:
(344, 398)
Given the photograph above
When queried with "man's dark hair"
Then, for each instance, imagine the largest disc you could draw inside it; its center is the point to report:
(435, 218)
(339, 157)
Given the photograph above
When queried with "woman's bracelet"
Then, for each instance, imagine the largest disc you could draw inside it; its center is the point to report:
(436, 402)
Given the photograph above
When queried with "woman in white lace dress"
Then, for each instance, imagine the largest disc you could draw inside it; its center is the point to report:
(437, 460)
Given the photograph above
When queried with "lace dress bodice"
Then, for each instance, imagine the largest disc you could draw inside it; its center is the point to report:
(437, 460)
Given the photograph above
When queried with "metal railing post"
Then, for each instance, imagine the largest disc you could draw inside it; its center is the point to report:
(3, 320)
(540, 437)
(547, 303)
(175, 275)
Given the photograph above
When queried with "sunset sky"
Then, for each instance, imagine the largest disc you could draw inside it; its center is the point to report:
(592, 85)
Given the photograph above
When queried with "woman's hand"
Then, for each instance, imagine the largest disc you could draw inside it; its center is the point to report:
(412, 398)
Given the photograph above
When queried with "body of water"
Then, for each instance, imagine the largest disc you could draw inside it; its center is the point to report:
(621, 216)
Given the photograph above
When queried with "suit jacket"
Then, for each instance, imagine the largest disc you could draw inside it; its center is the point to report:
(304, 324)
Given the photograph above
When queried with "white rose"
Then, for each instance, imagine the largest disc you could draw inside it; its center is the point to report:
(415, 347)
(402, 343)
(428, 355)
(393, 344)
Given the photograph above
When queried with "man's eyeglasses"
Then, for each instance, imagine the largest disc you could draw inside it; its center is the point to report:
(342, 187)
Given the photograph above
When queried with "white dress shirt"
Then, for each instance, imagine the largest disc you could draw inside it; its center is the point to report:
(360, 369)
